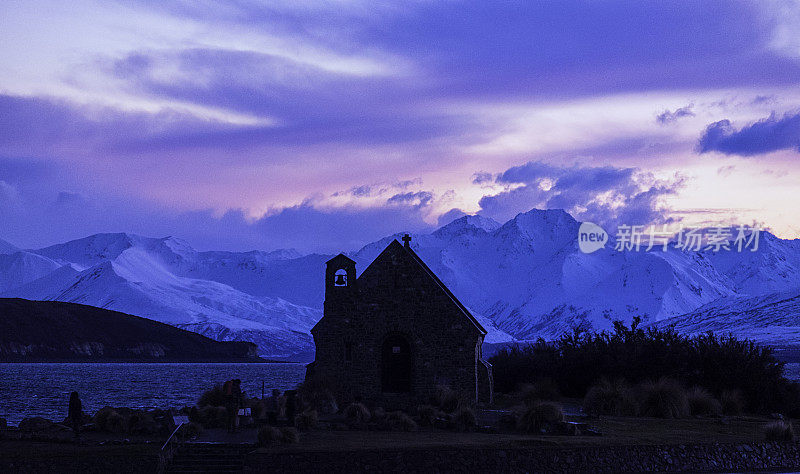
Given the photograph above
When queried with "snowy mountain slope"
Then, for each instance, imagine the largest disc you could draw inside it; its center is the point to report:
(530, 279)
(771, 319)
(137, 275)
(6, 248)
(523, 279)
(21, 267)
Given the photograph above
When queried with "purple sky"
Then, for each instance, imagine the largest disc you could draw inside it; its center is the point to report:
(323, 126)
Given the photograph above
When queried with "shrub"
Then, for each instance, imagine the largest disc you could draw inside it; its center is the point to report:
(213, 417)
(214, 397)
(289, 435)
(100, 418)
(317, 391)
(307, 420)
(542, 389)
(445, 398)
(268, 435)
(115, 423)
(665, 398)
(428, 413)
(610, 398)
(378, 414)
(357, 413)
(701, 402)
(190, 430)
(463, 419)
(577, 360)
(779, 431)
(539, 416)
(399, 421)
(732, 402)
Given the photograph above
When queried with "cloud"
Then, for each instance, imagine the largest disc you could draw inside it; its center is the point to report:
(764, 136)
(607, 195)
(668, 116)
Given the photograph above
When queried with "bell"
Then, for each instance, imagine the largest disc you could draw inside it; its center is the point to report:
(340, 280)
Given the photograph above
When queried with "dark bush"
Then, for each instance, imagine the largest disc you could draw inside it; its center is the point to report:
(357, 414)
(610, 398)
(539, 416)
(732, 402)
(399, 421)
(702, 403)
(446, 399)
(542, 389)
(269, 435)
(463, 419)
(289, 435)
(214, 397)
(428, 413)
(190, 430)
(779, 430)
(307, 420)
(578, 360)
(665, 398)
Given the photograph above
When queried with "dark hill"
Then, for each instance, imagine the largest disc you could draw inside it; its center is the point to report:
(34, 331)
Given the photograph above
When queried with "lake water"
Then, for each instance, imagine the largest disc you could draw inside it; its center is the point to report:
(43, 389)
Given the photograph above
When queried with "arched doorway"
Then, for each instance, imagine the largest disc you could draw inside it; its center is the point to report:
(396, 364)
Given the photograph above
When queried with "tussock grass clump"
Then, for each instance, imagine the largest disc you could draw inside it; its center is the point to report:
(732, 402)
(289, 435)
(399, 421)
(463, 419)
(357, 413)
(213, 416)
(428, 413)
(269, 435)
(779, 430)
(378, 414)
(307, 420)
(190, 430)
(665, 398)
(214, 397)
(446, 398)
(538, 416)
(542, 389)
(610, 398)
(702, 403)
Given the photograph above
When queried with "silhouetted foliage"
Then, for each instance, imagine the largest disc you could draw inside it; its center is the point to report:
(779, 431)
(579, 360)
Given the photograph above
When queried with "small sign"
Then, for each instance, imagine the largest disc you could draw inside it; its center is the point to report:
(244, 411)
(181, 419)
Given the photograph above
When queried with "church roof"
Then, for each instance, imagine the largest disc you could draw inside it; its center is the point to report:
(396, 246)
(340, 258)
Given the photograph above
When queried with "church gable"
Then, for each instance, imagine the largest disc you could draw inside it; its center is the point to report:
(399, 268)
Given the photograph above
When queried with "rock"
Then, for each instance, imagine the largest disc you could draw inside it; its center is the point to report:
(35, 423)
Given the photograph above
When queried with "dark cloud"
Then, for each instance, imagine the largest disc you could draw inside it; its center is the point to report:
(767, 135)
(607, 195)
(450, 216)
(481, 177)
(669, 116)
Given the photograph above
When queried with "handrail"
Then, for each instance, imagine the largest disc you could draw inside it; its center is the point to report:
(170, 436)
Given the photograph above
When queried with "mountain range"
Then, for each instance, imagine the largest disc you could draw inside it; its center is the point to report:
(523, 279)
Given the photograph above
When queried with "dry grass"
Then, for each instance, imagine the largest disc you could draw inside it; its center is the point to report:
(779, 430)
(610, 398)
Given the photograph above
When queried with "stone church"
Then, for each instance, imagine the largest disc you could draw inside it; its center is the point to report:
(394, 333)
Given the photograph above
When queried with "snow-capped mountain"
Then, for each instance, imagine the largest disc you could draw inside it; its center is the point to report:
(523, 279)
(153, 278)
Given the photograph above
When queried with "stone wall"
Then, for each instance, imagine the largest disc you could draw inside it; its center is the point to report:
(659, 458)
(395, 296)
